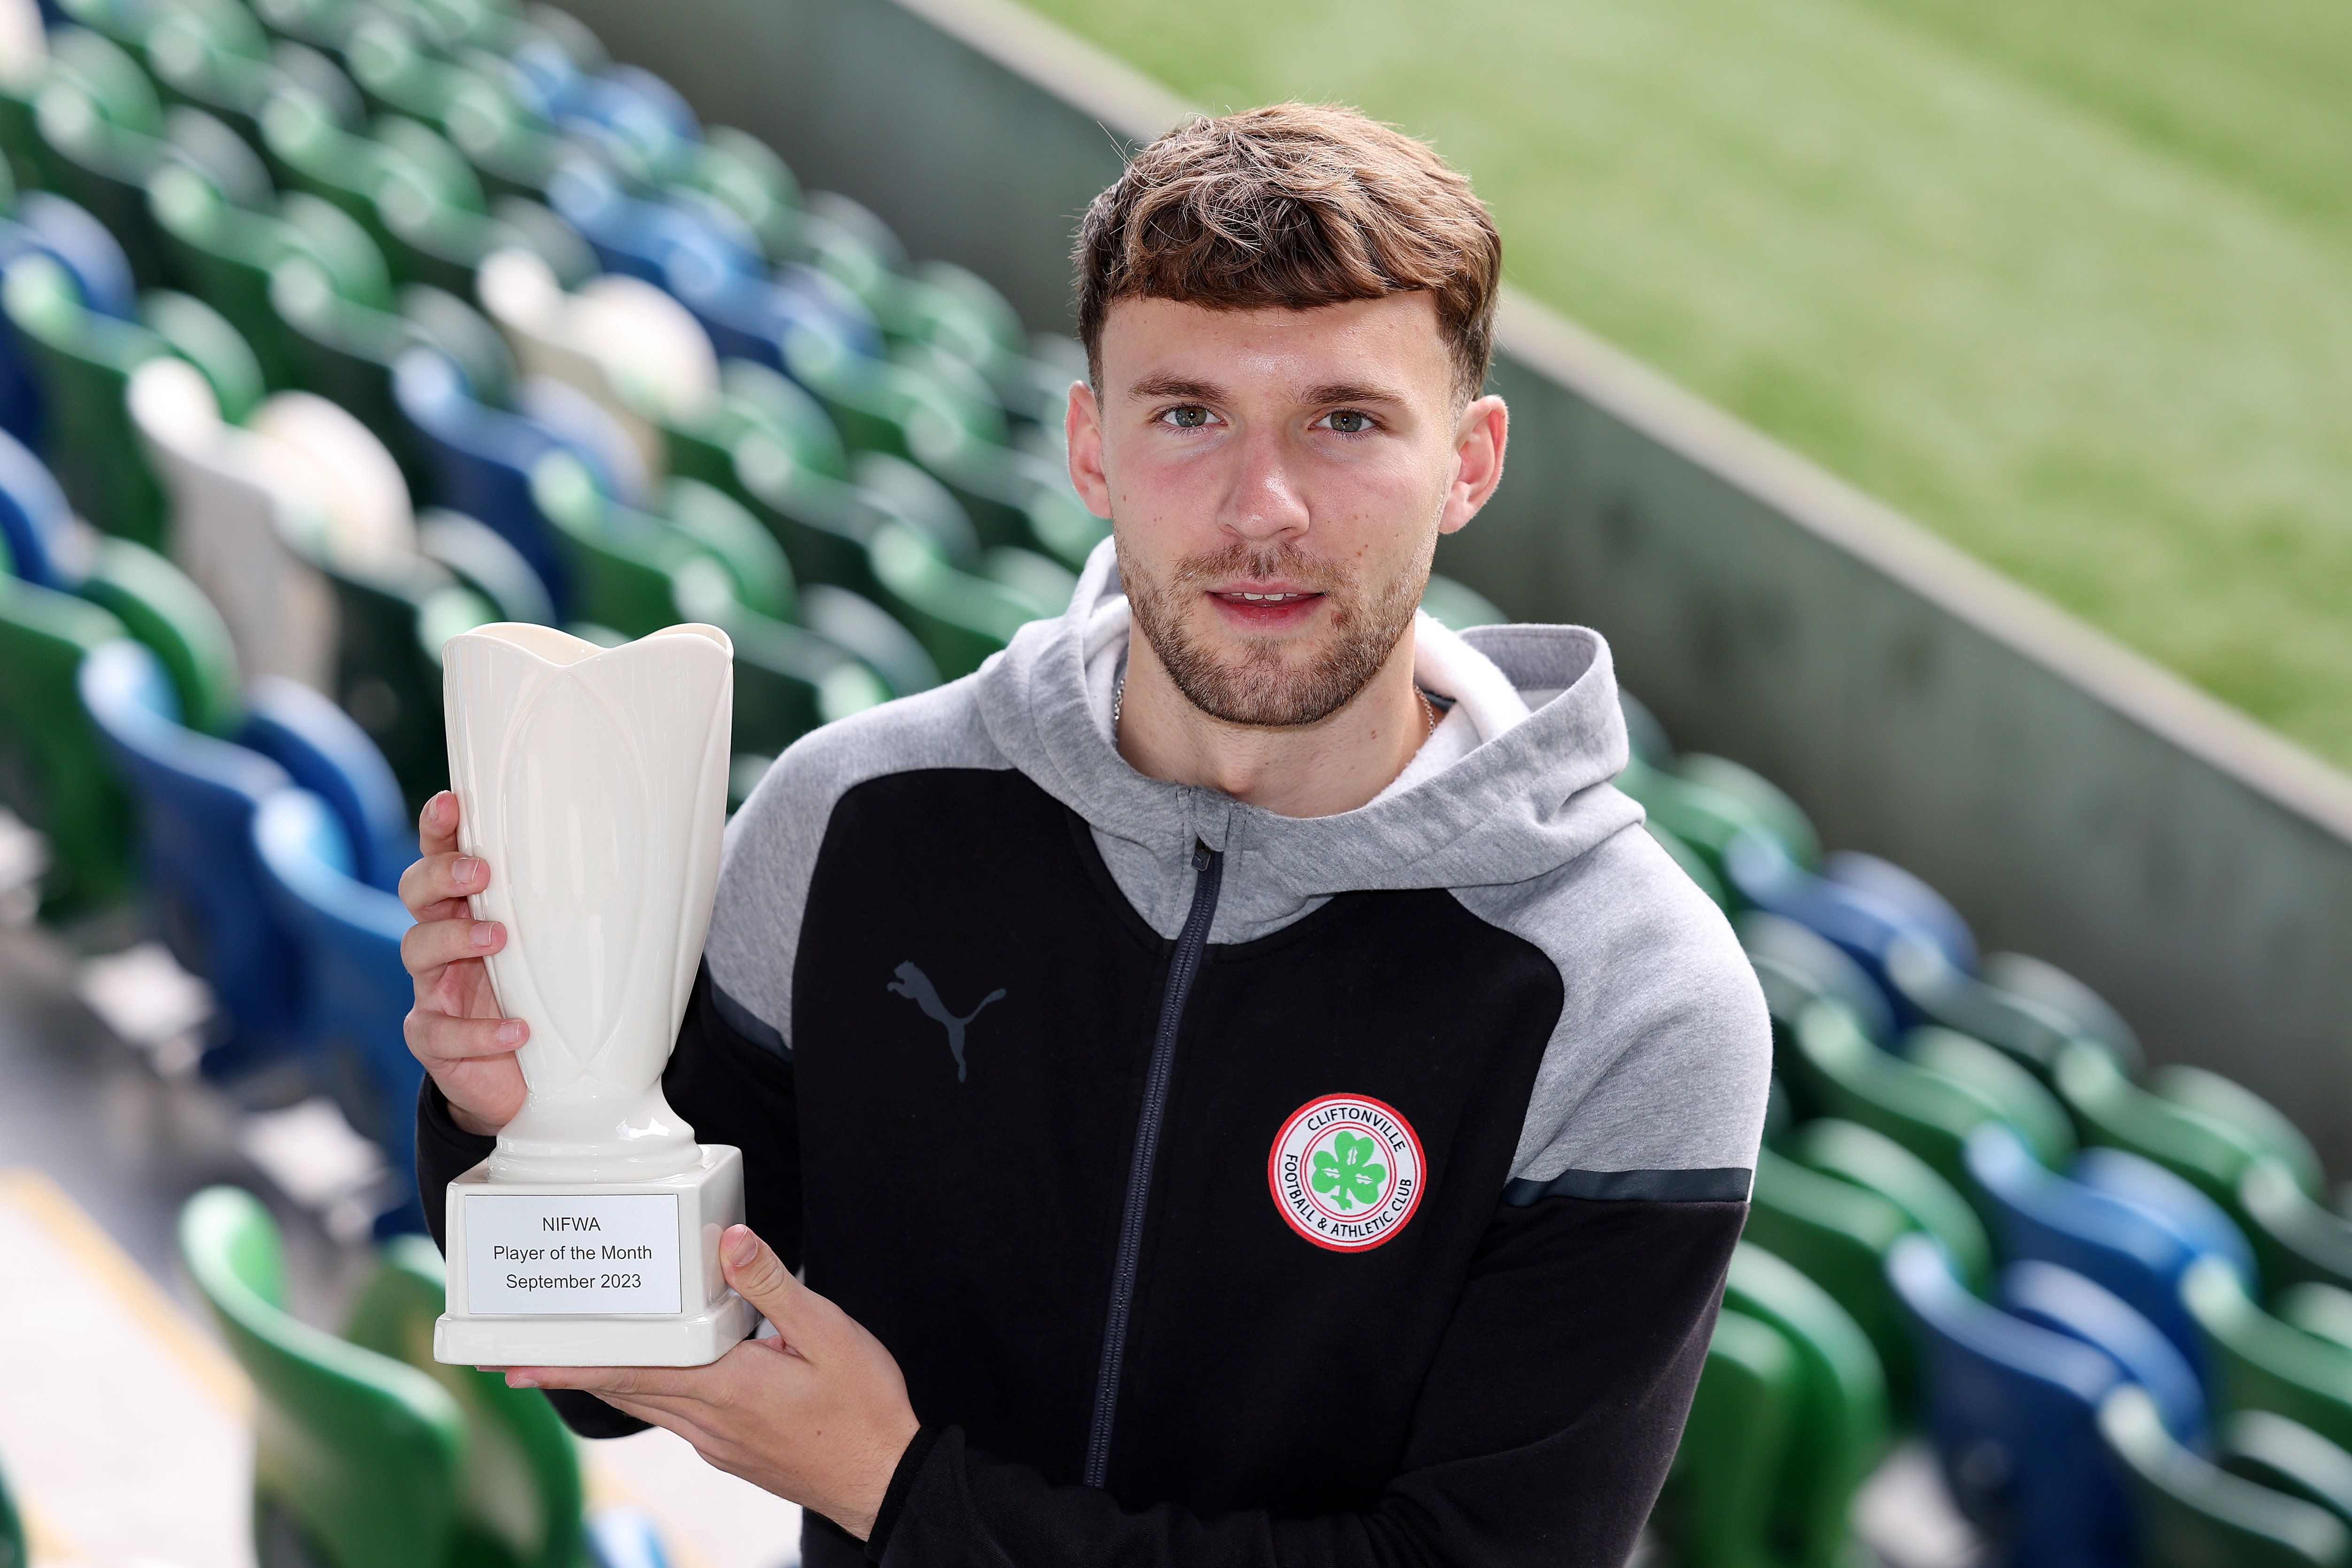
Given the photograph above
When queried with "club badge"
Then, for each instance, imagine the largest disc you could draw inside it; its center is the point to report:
(1346, 1172)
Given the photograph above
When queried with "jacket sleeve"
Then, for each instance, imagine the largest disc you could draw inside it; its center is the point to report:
(1541, 1435)
(731, 1086)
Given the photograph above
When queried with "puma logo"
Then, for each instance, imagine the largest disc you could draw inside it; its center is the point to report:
(916, 986)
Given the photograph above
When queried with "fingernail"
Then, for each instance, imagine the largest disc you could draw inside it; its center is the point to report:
(521, 1380)
(439, 805)
(741, 1246)
(466, 869)
(484, 934)
(510, 1032)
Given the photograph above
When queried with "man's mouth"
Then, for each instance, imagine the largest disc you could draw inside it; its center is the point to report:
(1273, 607)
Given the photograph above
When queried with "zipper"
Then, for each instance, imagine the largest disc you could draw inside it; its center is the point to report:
(1192, 942)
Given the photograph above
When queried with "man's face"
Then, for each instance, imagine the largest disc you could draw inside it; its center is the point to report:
(1276, 482)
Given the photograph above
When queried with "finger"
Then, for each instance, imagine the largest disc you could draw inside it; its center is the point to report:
(760, 1276)
(429, 944)
(436, 1037)
(643, 1383)
(436, 825)
(439, 878)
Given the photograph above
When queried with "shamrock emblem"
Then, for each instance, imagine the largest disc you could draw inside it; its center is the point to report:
(1345, 1173)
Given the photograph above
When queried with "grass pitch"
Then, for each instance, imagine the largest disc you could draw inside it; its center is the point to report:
(2070, 284)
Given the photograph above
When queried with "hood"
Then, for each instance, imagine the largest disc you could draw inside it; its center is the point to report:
(1523, 802)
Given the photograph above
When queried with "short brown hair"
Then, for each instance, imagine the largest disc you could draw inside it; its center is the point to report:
(1295, 204)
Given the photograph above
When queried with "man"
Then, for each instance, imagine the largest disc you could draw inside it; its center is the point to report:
(1240, 1084)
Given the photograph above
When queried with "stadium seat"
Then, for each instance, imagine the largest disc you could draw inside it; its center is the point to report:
(1706, 818)
(323, 750)
(99, 136)
(224, 254)
(2297, 1238)
(204, 339)
(238, 508)
(2108, 1109)
(1871, 1161)
(2058, 1298)
(52, 772)
(1935, 988)
(486, 563)
(1762, 873)
(2234, 1105)
(39, 540)
(2036, 1214)
(360, 1459)
(2194, 1514)
(824, 524)
(534, 1520)
(160, 608)
(82, 361)
(1838, 1235)
(1839, 1427)
(2287, 1456)
(2087, 1014)
(1761, 800)
(2024, 1103)
(1921, 904)
(2265, 1362)
(214, 60)
(356, 993)
(481, 459)
(2152, 1187)
(2013, 1411)
(866, 629)
(69, 235)
(391, 619)
(1803, 962)
(960, 617)
(1718, 1505)
(1836, 1071)
(196, 798)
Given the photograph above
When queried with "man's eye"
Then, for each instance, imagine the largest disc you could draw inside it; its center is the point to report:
(1349, 421)
(1191, 417)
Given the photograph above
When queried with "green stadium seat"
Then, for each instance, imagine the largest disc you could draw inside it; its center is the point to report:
(1457, 607)
(1064, 528)
(743, 174)
(514, 153)
(1852, 1153)
(342, 332)
(53, 773)
(961, 619)
(2108, 1109)
(160, 608)
(2287, 1456)
(309, 150)
(867, 629)
(216, 59)
(1764, 801)
(873, 402)
(1837, 1071)
(824, 524)
(224, 254)
(1716, 1508)
(2086, 1013)
(2194, 1514)
(83, 362)
(206, 339)
(484, 562)
(2265, 1362)
(396, 71)
(1839, 1431)
(99, 137)
(1702, 816)
(2233, 1105)
(361, 1460)
(1838, 1235)
(391, 621)
(534, 1518)
(2024, 1103)
(2297, 1238)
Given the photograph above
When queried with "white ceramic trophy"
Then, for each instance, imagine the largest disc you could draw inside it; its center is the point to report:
(593, 781)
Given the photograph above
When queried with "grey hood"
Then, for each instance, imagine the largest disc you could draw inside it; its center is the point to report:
(1521, 805)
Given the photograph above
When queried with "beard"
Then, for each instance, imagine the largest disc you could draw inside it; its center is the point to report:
(1262, 685)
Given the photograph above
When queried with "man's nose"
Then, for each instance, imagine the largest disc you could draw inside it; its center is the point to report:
(1265, 501)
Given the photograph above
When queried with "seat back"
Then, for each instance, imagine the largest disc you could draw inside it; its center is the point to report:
(1716, 1506)
(2298, 1239)
(2012, 1409)
(2288, 1457)
(1837, 1236)
(206, 339)
(195, 797)
(2086, 1013)
(1921, 904)
(1819, 966)
(161, 609)
(2193, 1514)
(323, 750)
(2111, 1110)
(486, 563)
(1875, 1162)
(480, 460)
(1839, 1430)
(38, 540)
(1764, 801)
(2024, 1103)
(82, 361)
(1836, 1070)
(362, 1452)
(237, 510)
(52, 772)
(358, 995)
(2065, 1302)
(1938, 990)
(959, 617)
(2265, 1364)
(2198, 1219)
(523, 1503)
(2234, 1105)
(351, 476)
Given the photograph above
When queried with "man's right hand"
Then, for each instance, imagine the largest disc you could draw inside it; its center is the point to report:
(456, 1028)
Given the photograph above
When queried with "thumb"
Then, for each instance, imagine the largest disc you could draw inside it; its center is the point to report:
(760, 1276)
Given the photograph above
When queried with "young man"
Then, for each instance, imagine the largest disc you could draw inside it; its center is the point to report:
(1240, 1084)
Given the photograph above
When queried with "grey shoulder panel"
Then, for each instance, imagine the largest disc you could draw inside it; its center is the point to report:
(1654, 1083)
(772, 842)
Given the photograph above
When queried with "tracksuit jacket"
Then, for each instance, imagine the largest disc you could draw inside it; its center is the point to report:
(1232, 1189)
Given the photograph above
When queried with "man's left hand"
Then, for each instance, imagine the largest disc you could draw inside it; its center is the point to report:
(818, 1414)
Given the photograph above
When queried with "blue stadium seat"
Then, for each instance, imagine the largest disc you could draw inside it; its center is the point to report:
(2036, 1214)
(356, 991)
(481, 458)
(1920, 903)
(1866, 924)
(37, 535)
(2137, 1180)
(2013, 1411)
(84, 247)
(195, 797)
(2065, 1303)
(326, 752)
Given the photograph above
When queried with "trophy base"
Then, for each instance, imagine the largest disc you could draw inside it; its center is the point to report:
(593, 1274)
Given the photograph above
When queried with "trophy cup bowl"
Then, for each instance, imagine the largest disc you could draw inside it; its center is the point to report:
(593, 782)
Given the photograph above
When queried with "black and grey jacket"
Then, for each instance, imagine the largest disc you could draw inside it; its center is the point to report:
(1232, 1188)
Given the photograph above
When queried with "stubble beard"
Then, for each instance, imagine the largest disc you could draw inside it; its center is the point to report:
(1262, 688)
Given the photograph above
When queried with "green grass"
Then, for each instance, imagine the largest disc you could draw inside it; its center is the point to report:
(2071, 285)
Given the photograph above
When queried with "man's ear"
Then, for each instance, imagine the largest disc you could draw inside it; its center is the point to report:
(1083, 425)
(1479, 436)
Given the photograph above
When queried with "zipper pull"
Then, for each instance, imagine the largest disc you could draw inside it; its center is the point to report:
(1200, 853)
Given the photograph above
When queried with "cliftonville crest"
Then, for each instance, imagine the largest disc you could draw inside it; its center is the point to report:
(1346, 1172)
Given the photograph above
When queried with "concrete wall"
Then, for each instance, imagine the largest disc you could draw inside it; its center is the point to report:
(2073, 800)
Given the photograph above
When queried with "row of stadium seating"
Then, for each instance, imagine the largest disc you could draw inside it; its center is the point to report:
(276, 273)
